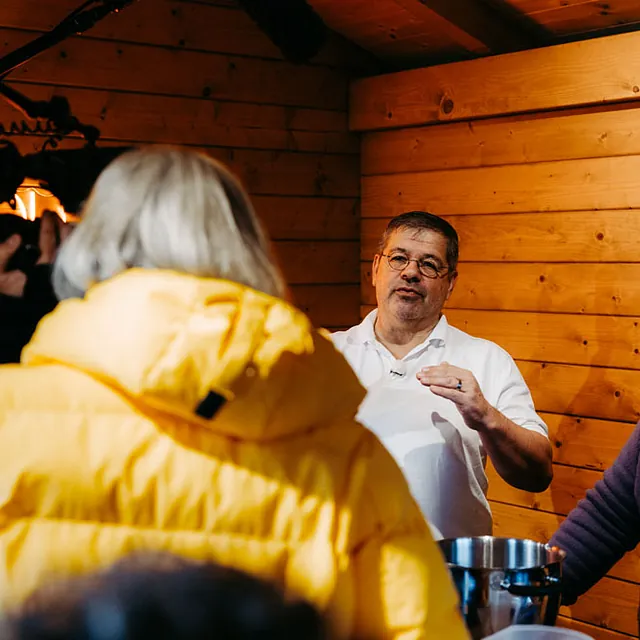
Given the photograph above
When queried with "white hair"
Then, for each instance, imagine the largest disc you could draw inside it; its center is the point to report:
(167, 208)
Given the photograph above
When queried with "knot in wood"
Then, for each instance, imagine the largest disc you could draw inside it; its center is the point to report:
(447, 105)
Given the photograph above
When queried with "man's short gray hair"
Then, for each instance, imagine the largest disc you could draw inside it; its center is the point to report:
(424, 221)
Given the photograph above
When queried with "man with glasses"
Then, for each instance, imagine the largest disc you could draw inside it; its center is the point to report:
(439, 399)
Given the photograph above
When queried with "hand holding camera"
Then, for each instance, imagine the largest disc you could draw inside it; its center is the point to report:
(18, 253)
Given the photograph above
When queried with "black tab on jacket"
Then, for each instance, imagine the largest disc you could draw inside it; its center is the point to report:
(210, 405)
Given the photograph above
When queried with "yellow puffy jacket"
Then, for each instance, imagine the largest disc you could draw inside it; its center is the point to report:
(200, 417)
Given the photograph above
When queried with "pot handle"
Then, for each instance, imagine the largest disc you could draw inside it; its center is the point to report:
(553, 586)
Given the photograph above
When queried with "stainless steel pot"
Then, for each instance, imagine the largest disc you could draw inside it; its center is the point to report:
(504, 581)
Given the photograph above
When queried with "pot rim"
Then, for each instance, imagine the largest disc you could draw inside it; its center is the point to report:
(556, 553)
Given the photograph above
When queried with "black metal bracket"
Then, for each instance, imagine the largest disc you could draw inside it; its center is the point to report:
(57, 111)
(75, 23)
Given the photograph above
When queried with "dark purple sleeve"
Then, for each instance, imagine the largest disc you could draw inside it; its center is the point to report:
(603, 526)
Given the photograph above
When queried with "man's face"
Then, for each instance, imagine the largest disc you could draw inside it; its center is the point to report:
(408, 294)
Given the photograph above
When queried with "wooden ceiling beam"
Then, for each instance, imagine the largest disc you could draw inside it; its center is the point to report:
(478, 26)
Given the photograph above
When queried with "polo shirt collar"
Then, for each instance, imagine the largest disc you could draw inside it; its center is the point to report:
(364, 333)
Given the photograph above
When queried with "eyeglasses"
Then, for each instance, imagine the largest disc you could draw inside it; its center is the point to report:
(399, 262)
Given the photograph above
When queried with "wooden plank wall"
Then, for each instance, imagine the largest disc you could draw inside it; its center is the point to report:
(202, 74)
(547, 205)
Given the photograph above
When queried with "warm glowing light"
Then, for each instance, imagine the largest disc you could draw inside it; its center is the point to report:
(31, 204)
(32, 200)
(21, 208)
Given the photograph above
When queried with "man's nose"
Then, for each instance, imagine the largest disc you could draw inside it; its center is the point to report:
(411, 271)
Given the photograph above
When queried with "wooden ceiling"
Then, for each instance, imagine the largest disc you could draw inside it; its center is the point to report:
(408, 33)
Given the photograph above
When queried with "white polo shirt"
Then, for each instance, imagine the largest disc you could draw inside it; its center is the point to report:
(442, 459)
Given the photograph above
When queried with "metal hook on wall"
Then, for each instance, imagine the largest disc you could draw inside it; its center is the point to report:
(57, 111)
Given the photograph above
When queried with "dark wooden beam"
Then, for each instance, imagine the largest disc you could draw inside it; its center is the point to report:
(479, 26)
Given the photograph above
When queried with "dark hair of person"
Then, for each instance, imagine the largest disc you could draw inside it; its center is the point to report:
(424, 221)
(162, 597)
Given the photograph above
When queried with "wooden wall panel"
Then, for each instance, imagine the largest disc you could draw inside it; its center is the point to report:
(219, 28)
(547, 207)
(594, 392)
(544, 237)
(328, 305)
(586, 442)
(548, 137)
(571, 185)
(612, 604)
(290, 174)
(309, 218)
(577, 74)
(516, 521)
(571, 17)
(203, 75)
(569, 485)
(606, 288)
(306, 262)
(592, 631)
(603, 341)
(159, 70)
(127, 117)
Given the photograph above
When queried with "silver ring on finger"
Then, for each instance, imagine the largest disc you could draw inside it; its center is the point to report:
(459, 385)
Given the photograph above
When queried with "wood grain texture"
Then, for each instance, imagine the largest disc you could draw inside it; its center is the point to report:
(389, 29)
(572, 185)
(294, 218)
(165, 119)
(601, 341)
(594, 392)
(592, 631)
(572, 17)
(215, 28)
(569, 485)
(519, 522)
(592, 133)
(611, 603)
(575, 390)
(286, 173)
(328, 305)
(562, 237)
(204, 75)
(142, 117)
(166, 23)
(569, 75)
(318, 262)
(478, 26)
(606, 289)
(141, 69)
(586, 442)
(541, 188)
(270, 173)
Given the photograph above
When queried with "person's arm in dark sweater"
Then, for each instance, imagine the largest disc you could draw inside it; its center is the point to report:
(38, 290)
(603, 526)
(19, 316)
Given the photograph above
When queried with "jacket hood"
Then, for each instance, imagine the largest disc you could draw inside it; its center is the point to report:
(177, 343)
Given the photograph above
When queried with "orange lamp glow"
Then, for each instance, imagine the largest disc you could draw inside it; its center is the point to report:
(32, 200)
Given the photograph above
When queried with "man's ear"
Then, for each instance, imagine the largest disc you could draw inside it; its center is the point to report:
(374, 268)
(453, 278)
